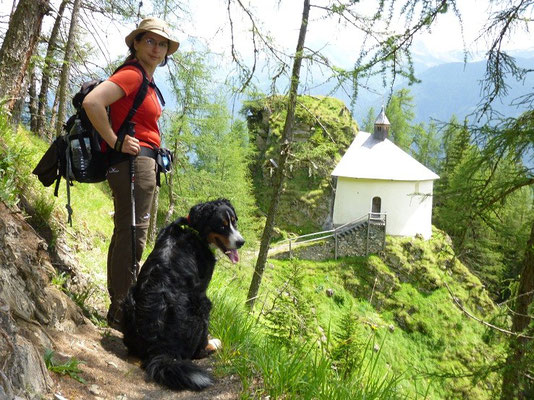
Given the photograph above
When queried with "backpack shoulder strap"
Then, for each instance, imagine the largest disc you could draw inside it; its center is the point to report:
(139, 97)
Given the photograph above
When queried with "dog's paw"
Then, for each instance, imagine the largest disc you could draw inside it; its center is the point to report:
(213, 345)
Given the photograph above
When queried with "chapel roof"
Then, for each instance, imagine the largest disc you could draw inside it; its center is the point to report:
(370, 158)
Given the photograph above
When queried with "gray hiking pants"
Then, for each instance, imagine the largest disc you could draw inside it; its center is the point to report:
(119, 268)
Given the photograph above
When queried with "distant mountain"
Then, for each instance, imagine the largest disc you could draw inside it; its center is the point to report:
(445, 89)
(453, 88)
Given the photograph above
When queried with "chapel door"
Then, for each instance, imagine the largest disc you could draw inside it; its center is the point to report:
(376, 207)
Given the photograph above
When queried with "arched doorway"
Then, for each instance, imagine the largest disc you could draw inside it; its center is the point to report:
(376, 207)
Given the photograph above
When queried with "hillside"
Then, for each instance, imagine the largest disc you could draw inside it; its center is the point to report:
(455, 89)
(378, 327)
(410, 305)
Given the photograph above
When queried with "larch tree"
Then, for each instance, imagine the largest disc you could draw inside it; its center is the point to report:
(18, 46)
(508, 141)
(65, 70)
(47, 73)
(286, 141)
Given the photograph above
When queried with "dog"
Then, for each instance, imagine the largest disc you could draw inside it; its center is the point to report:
(166, 313)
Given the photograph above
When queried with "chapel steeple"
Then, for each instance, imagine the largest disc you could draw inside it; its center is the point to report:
(381, 126)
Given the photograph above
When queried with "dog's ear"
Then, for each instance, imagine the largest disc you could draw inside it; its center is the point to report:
(228, 204)
(199, 215)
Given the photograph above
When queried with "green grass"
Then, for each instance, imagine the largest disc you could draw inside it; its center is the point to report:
(403, 327)
(389, 331)
(302, 371)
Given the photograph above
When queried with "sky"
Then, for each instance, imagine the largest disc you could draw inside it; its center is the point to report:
(444, 42)
(282, 19)
(207, 25)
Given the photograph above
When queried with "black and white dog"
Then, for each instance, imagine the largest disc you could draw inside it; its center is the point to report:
(166, 313)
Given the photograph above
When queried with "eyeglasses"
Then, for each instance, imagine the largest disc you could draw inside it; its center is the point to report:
(153, 43)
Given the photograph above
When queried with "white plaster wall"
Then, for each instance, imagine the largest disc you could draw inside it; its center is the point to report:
(409, 211)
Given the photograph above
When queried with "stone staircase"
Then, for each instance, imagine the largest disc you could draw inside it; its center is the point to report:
(360, 227)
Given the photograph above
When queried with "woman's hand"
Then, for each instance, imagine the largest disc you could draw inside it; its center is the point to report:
(130, 145)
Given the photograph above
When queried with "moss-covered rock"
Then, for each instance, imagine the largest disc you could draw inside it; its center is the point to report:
(323, 130)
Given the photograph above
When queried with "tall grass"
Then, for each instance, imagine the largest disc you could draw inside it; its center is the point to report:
(304, 370)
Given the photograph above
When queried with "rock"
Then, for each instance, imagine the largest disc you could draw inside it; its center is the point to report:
(330, 292)
(94, 390)
(29, 306)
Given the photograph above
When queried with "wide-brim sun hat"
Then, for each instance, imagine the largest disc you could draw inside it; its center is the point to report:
(157, 26)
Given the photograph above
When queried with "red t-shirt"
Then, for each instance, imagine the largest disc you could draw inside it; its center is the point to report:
(129, 79)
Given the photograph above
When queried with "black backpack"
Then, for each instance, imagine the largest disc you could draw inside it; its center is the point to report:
(80, 154)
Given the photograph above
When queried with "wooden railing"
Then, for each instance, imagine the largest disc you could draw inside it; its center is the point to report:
(369, 219)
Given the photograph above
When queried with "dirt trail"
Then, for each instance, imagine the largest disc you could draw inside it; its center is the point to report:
(111, 374)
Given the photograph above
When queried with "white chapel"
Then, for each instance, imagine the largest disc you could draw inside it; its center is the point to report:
(376, 176)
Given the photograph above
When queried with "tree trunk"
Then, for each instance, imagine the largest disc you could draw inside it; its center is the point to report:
(65, 70)
(172, 197)
(13, 8)
(513, 377)
(286, 141)
(53, 116)
(18, 107)
(32, 91)
(18, 45)
(153, 224)
(41, 128)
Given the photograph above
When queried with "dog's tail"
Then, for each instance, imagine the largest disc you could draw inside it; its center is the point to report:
(177, 374)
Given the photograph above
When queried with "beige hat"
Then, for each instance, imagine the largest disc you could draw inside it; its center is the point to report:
(154, 25)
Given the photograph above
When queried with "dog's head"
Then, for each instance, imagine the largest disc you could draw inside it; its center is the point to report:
(216, 222)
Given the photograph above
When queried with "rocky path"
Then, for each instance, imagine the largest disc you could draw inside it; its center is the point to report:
(111, 374)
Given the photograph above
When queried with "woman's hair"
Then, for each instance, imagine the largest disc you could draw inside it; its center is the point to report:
(138, 38)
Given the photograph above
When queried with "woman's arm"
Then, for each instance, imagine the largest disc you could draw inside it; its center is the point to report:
(95, 104)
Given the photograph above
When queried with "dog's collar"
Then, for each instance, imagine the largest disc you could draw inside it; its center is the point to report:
(189, 227)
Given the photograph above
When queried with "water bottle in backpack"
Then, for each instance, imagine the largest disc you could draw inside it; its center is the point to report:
(79, 158)
(84, 163)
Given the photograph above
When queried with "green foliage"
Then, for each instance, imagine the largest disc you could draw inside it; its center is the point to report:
(323, 130)
(489, 236)
(11, 159)
(400, 114)
(427, 145)
(212, 150)
(288, 316)
(345, 351)
(214, 164)
(303, 370)
(59, 280)
(368, 124)
(69, 367)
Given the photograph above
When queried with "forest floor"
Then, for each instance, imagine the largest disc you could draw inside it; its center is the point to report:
(110, 373)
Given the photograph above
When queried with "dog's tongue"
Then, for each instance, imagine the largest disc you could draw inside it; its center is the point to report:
(233, 255)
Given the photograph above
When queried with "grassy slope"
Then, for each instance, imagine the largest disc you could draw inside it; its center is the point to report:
(409, 317)
(400, 307)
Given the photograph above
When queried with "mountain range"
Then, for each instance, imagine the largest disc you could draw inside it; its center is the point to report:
(452, 88)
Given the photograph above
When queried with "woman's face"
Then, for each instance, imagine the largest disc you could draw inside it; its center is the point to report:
(151, 49)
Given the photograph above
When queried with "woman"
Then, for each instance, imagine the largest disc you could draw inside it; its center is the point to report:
(150, 45)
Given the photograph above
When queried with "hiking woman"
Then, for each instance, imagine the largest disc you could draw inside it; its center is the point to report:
(150, 45)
